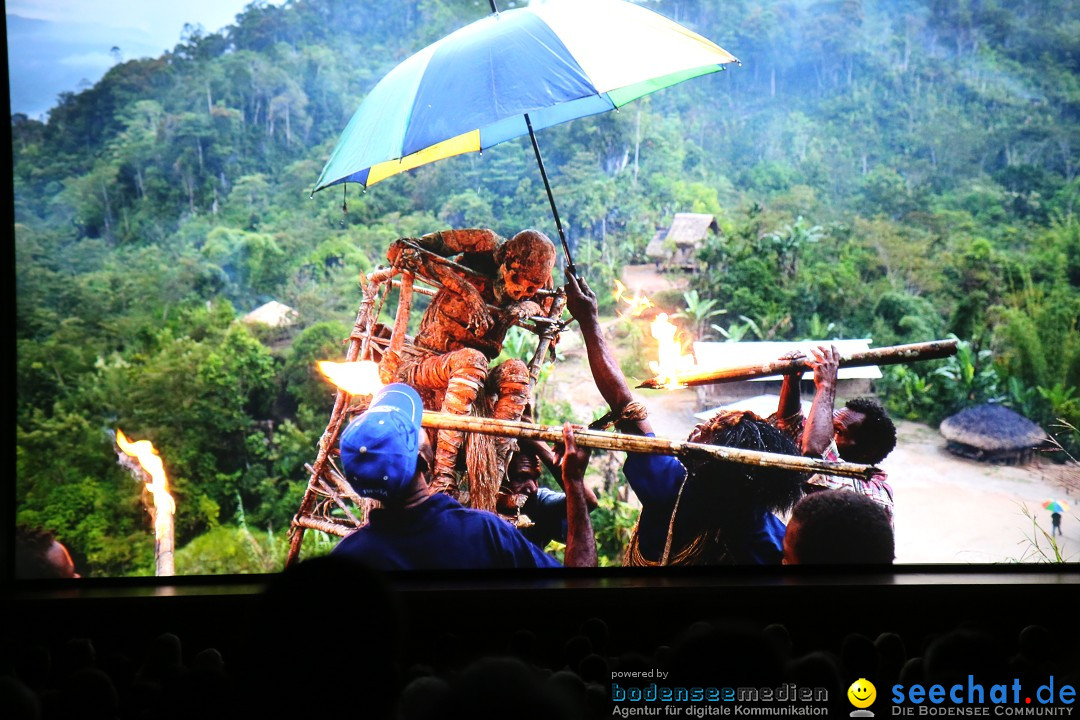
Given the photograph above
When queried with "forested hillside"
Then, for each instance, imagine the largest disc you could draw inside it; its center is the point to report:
(898, 169)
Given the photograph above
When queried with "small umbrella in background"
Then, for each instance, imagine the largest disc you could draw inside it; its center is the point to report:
(1055, 506)
(512, 73)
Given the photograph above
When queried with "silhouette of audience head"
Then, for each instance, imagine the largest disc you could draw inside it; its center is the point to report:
(838, 527)
(333, 588)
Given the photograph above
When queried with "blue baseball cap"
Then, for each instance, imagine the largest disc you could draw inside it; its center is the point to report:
(379, 448)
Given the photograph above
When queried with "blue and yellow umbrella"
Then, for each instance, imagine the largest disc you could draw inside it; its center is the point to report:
(510, 74)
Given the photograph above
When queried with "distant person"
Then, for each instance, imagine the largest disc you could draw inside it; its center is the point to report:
(859, 432)
(838, 527)
(1055, 524)
(39, 556)
(545, 508)
(703, 512)
(387, 456)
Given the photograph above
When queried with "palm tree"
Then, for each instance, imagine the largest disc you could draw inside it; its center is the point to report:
(698, 313)
(788, 240)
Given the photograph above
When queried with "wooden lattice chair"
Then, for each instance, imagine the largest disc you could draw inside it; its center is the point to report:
(329, 503)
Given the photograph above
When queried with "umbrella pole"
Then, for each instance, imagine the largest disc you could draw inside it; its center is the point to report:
(551, 198)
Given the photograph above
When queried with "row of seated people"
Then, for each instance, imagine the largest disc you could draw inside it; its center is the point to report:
(383, 663)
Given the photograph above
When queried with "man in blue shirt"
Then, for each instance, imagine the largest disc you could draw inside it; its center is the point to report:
(702, 512)
(387, 456)
(545, 508)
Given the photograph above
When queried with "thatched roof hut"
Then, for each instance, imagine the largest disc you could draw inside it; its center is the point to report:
(273, 314)
(992, 433)
(678, 246)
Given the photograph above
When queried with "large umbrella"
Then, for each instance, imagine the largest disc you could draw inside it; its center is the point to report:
(512, 73)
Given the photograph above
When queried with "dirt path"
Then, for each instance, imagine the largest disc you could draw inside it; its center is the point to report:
(954, 510)
(948, 509)
(647, 280)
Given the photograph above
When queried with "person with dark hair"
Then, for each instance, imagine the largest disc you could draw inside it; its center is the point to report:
(39, 555)
(704, 512)
(859, 432)
(386, 456)
(544, 508)
(838, 527)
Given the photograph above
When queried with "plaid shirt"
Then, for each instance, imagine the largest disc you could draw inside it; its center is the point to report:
(876, 488)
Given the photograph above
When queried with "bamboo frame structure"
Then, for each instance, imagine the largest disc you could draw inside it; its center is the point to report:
(891, 355)
(327, 498)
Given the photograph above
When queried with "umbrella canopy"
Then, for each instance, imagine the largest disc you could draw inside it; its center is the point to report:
(1055, 506)
(509, 73)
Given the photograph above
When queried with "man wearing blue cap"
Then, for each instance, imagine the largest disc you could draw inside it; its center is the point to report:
(386, 456)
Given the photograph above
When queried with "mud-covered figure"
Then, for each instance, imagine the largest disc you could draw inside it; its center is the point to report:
(466, 322)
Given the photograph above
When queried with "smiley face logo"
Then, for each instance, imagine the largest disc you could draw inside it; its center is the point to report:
(862, 693)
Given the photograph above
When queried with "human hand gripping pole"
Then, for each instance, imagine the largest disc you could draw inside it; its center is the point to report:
(818, 432)
(580, 541)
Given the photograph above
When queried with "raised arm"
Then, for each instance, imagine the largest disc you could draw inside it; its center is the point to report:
(403, 254)
(581, 301)
(818, 433)
(454, 242)
(790, 394)
(580, 541)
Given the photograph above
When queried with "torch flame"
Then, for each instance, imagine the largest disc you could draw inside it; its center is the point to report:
(164, 505)
(355, 378)
(635, 305)
(672, 361)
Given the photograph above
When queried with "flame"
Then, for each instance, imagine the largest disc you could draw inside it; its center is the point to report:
(164, 505)
(636, 305)
(355, 378)
(671, 361)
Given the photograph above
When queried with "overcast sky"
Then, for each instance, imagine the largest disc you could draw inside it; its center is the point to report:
(162, 20)
(57, 46)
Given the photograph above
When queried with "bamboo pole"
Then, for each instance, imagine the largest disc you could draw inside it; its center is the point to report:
(891, 355)
(401, 320)
(430, 292)
(306, 521)
(639, 443)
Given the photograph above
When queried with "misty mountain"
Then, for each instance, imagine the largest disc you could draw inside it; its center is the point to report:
(47, 58)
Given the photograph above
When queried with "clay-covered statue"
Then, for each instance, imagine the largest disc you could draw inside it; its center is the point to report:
(464, 326)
